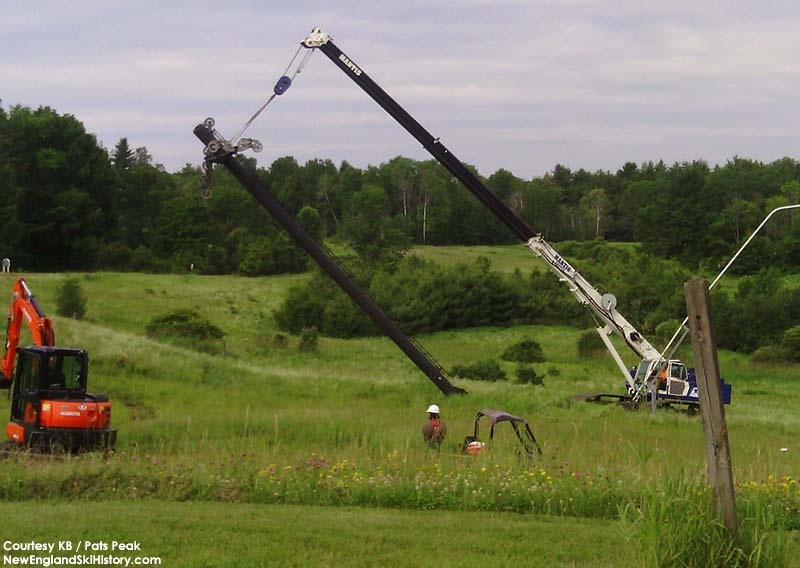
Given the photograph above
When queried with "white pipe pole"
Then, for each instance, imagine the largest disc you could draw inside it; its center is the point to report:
(682, 327)
(727, 266)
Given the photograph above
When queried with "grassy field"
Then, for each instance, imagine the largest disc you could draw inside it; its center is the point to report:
(264, 431)
(503, 258)
(289, 535)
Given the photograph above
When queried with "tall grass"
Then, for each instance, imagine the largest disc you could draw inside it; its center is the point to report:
(674, 524)
(670, 511)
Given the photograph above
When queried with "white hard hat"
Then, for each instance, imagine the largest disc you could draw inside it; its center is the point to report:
(433, 409)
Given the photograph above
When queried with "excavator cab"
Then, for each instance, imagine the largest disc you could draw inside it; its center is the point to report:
(49, 403)
(56, 373)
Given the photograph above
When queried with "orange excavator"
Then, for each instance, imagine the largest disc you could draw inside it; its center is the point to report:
(49, 403)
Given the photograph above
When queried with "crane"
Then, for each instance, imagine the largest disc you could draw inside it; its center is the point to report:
(660, 378)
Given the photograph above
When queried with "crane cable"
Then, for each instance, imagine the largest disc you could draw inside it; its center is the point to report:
(281, 86)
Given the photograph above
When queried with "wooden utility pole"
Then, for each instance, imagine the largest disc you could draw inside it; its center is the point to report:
(712, 409)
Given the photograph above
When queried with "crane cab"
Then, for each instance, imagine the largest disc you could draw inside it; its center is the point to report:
(50, 405)
(673, 381)
(671, 377)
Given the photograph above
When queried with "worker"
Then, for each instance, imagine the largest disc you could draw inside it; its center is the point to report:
(54, 375)
(661, 382)
(434, 430)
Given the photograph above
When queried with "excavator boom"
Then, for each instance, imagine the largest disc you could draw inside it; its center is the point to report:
(23, 307)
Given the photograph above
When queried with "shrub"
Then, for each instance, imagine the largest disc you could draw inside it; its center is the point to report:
(665, 330)
(488, 370)
(309, 340)
(266, 255)
(771, 355)
(759, 314)
(527, 375)
(304, 305)
(70, 299)
(526, 351)
(424, 297)
(257, 258)
(309, 219)
(420, 296)
(342, 318)
(542, 299)
(183, 323)
(590, 344)
(114, 255)
(791, 342)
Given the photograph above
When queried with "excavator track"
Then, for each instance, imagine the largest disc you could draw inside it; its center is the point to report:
(12, 450)
(8, 448)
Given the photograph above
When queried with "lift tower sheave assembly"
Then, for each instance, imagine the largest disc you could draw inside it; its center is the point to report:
(219, 151)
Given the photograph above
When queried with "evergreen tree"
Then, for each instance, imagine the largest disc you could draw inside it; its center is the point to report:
(70, 299)
(123, 156)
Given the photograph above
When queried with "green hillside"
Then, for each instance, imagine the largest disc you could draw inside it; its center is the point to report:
(249, 421)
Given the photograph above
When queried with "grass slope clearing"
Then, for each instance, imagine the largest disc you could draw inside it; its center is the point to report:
(255, 422)
(287, 535)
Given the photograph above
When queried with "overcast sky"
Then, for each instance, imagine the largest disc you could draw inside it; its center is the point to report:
(522, 85)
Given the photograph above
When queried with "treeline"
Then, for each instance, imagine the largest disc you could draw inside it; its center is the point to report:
(68, 203)
(425, 297)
